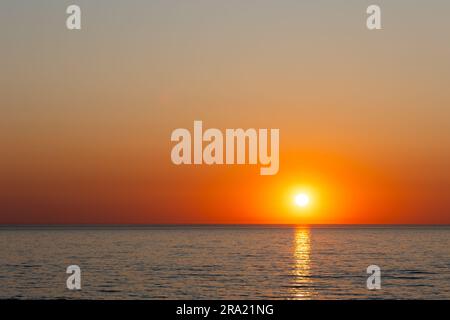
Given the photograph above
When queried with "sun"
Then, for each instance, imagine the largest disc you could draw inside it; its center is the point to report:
(301, 199)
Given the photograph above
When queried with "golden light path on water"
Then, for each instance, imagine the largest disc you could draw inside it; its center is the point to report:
(302, 286)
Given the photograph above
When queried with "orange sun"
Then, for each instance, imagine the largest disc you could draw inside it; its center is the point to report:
(301, 200)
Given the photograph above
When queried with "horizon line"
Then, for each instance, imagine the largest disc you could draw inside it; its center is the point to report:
(217, 225)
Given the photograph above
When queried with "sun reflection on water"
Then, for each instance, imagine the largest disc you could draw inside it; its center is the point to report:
(301, 287)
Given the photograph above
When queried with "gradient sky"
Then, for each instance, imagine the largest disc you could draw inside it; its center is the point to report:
(86, 116)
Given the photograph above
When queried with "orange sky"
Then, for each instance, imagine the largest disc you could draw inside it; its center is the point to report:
(86, 116)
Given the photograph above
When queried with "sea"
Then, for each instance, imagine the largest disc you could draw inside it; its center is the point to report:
(225, 262)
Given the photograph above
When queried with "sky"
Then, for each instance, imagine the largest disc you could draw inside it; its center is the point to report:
(86, 116)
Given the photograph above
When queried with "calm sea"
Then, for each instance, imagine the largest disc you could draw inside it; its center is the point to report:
(226, 262)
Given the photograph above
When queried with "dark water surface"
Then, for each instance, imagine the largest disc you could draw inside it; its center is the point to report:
(226, 262)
